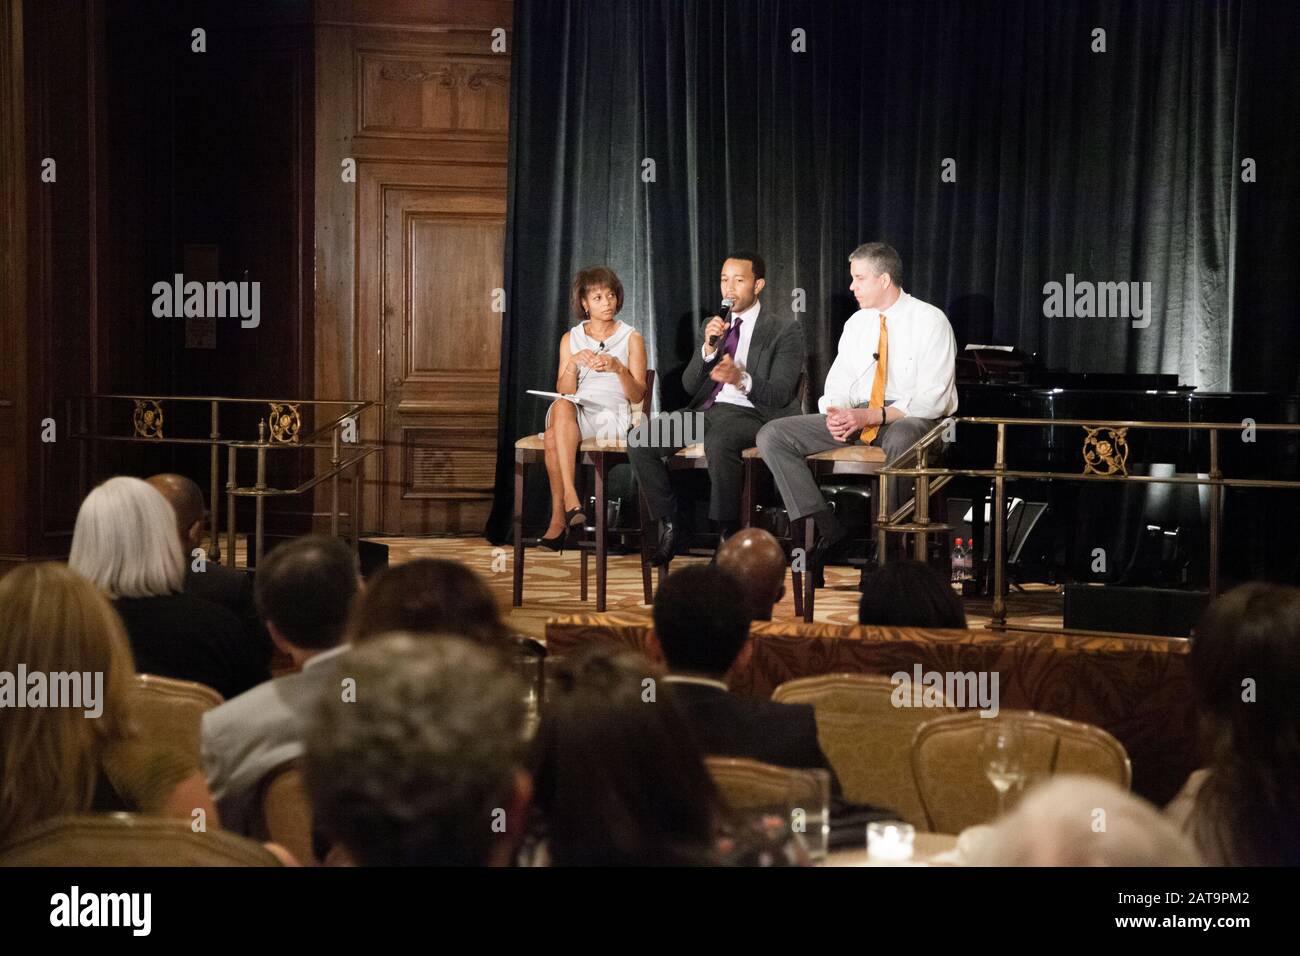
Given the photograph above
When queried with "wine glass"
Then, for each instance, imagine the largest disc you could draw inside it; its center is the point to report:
(1003, 753)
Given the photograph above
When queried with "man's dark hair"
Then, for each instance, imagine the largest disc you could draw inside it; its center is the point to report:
(427, 595)
(909, 594)
(304, 587)
(755, 261)
(620, 780)
(413, 771)
(702, 618)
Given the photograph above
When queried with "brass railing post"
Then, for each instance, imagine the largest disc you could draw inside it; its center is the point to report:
(882, 519)
(215, 463)
(356, 505)
(921, 509)
(334, 483)
(1216, 514)
(260, 500)
(999, 617)
(82, 450)
(230, 505)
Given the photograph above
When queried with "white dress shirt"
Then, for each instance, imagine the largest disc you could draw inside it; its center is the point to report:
(732, 394)
(921, 373)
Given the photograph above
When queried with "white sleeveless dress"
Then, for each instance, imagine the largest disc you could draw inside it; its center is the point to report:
(607, 416)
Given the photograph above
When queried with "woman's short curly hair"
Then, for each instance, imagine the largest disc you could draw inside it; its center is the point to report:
(594, 277)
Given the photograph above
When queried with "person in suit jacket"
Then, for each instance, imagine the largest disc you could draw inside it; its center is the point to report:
(747, 376)
(304, 588)
(227, 586)
(702, 618)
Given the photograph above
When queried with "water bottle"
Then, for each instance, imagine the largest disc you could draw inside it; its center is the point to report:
(957, 556)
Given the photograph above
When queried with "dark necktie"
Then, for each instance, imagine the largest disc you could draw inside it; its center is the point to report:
(728, 348)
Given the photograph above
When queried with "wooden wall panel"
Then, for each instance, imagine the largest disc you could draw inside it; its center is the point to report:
(447, 319)
(414, 95)
(13, 289)
(420, 96)
(46, 85)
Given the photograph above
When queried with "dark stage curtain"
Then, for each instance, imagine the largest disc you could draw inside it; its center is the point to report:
(1115, 166)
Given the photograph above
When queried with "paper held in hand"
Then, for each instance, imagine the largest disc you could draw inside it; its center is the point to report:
(584, 403)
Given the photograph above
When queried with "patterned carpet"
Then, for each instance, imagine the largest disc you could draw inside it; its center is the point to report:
(551, 585)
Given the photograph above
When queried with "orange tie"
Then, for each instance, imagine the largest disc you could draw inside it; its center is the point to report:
(878, 383)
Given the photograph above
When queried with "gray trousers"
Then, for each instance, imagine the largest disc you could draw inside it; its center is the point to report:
(785, 442)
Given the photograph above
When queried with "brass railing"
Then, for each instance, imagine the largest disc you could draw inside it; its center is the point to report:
(1105, 458)
(283, 423)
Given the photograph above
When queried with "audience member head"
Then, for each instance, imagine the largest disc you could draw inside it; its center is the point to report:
(425, 767)
(620, 780)
(757, 560)
(428, 595)
(125, 541)
(909, 594)
(54, 621)
(701, 617)
(187, 501)
(1083, 821)
(303, 589)
(1246, 678)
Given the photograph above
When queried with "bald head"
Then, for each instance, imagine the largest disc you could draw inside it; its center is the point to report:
(758, 560)
(187, 501)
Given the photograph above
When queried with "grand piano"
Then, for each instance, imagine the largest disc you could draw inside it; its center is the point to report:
(1152, 534)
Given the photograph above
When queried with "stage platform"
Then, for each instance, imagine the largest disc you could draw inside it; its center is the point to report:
(551, 585)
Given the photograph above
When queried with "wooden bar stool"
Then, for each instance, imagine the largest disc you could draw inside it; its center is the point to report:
(600, 454)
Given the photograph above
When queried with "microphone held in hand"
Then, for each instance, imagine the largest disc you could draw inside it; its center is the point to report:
(724, 313)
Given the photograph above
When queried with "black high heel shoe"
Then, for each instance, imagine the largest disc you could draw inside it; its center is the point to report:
(554, 544)
(574, 518)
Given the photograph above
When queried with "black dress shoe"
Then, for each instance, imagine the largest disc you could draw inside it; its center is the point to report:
(667, 546)
(822, 545)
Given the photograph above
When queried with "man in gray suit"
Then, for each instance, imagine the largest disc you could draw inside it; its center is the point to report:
(303, 591)
(740, 377)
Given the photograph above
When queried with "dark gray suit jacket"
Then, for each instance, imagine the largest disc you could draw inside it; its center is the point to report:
(774, 362)
(729, 725)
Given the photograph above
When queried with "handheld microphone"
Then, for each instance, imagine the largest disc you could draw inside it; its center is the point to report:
(725, 314)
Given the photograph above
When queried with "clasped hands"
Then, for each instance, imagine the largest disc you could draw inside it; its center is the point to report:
(596, 361)
(843, 423)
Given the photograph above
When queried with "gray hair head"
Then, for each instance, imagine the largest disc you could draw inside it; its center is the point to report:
(882, 258)
(126, 542)
(1084, 821)
(417, 768)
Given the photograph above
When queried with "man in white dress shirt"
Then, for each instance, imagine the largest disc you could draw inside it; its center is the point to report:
(893, 379)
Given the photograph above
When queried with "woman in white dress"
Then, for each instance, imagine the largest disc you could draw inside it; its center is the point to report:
(602, 362)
